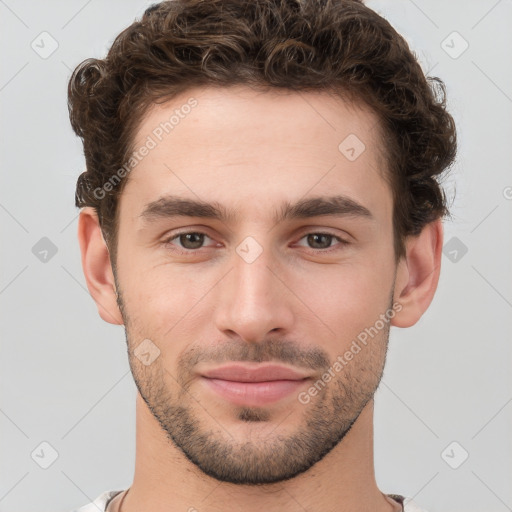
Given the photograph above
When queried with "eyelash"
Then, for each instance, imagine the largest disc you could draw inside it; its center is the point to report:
(341, 241)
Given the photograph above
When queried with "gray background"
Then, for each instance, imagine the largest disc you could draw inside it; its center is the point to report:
(64, 373)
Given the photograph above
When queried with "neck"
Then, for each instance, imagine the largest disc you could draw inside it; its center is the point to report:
(165, 480)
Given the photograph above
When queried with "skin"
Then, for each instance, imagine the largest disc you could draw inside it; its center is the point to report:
(251, 151)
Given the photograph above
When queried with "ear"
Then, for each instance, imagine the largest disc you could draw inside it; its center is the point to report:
(418, 274)
(97, 268)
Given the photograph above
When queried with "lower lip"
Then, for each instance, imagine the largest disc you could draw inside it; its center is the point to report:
(254, 393)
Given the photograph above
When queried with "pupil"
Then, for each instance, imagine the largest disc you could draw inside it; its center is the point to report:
(192, 240)
(313, 240)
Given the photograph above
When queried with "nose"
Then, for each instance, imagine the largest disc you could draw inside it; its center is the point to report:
(253, 300)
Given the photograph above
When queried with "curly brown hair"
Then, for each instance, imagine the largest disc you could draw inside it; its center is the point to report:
(340, 46)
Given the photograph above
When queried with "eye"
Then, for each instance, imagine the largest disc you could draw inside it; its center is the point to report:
(189, 241)
(322, 241)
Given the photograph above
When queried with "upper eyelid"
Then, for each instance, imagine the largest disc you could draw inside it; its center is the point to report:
(190, 231)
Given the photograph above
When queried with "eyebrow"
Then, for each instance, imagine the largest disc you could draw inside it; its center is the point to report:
(173, 206)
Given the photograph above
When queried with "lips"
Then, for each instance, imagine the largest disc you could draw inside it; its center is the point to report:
(261, 373)
(253, 385)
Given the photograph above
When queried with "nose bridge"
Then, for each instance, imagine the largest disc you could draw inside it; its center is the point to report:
(253, 280)
(252, 301)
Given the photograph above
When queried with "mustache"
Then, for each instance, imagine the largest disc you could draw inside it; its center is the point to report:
(269, 350)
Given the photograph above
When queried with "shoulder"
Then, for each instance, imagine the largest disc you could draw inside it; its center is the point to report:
(100, 503)
(407, 503)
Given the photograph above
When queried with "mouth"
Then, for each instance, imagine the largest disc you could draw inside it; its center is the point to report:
(254, 385)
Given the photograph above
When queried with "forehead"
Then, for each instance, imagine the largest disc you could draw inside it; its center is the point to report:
(241, 110)
(242, 147)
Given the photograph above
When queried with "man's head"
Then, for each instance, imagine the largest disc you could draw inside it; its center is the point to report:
(281, 206)
(339, 46)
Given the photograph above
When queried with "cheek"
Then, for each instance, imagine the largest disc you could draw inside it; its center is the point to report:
(165, 299)
(346, 298)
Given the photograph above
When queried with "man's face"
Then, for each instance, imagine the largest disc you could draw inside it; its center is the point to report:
(291, 294)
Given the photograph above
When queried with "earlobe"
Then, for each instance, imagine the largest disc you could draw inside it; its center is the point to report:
(418, 274)
(97, 267)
